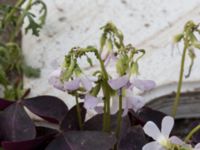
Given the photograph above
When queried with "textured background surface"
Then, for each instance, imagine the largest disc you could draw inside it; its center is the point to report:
(148, 24)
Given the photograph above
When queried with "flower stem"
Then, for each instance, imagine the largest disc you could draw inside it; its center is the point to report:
(108, 107)
(13, 11)
(119, 117)
(106, 91)
(177, 98)
(106, 116)
(79, 113)
(191, 133)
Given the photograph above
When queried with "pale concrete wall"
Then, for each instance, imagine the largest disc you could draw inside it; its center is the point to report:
(148, 24)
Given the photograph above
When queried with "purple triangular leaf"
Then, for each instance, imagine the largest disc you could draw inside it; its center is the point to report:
(96, 122)
(42, 131)
(49, 108)
(38, 143)
(147, 114)
(70, 121)
(4, 103)
(16, 125)
(83, 140)
(134, 139)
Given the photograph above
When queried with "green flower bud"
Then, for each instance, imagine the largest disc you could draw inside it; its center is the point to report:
(102, 41)
(134, 68)
(122, 65)
(196, 44)
(177, 38)
(109, 44)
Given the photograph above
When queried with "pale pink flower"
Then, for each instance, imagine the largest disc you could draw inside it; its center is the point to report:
(54, 79)
(78, 82)
(129, 101)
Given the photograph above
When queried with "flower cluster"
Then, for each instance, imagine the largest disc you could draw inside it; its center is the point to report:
(123, 85)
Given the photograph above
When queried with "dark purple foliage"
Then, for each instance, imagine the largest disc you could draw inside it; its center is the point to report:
(4, 103)
(70, 121)
(16, 125)
(147, 114)
(38, 143)
(18, 131)
(134, 139)
(96, 122)
(48, 107)
(82, 140)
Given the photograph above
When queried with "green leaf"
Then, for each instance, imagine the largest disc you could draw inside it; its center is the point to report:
(10, 94)
(33, 24)
(43, 11)
(35, 27)
(31, 72)
(3, 78)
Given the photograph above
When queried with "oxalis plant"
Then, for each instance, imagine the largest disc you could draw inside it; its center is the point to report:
(189, 37)
(106, 88)
(12, 63)
(99, 89)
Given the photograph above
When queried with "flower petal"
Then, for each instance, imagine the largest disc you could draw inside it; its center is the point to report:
(119, 82)
(135, 102)
(115, 105)
(87, 84)
(152, 146)
(143, 85)
(152, 130)
(99, 109)
(90, 102)
(72, 85)
(167, 125)
(109, 58)
(54, 79)
(197, 147)
(57, 84)
(125, 112)
(176, 140)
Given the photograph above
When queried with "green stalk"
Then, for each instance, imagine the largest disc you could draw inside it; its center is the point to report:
(106, 91)
(108, 107)
(177, 98)
(119, 117)
(13, 11)
(191, 133)
(106, 116)
(79, 113)
(20, 21)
